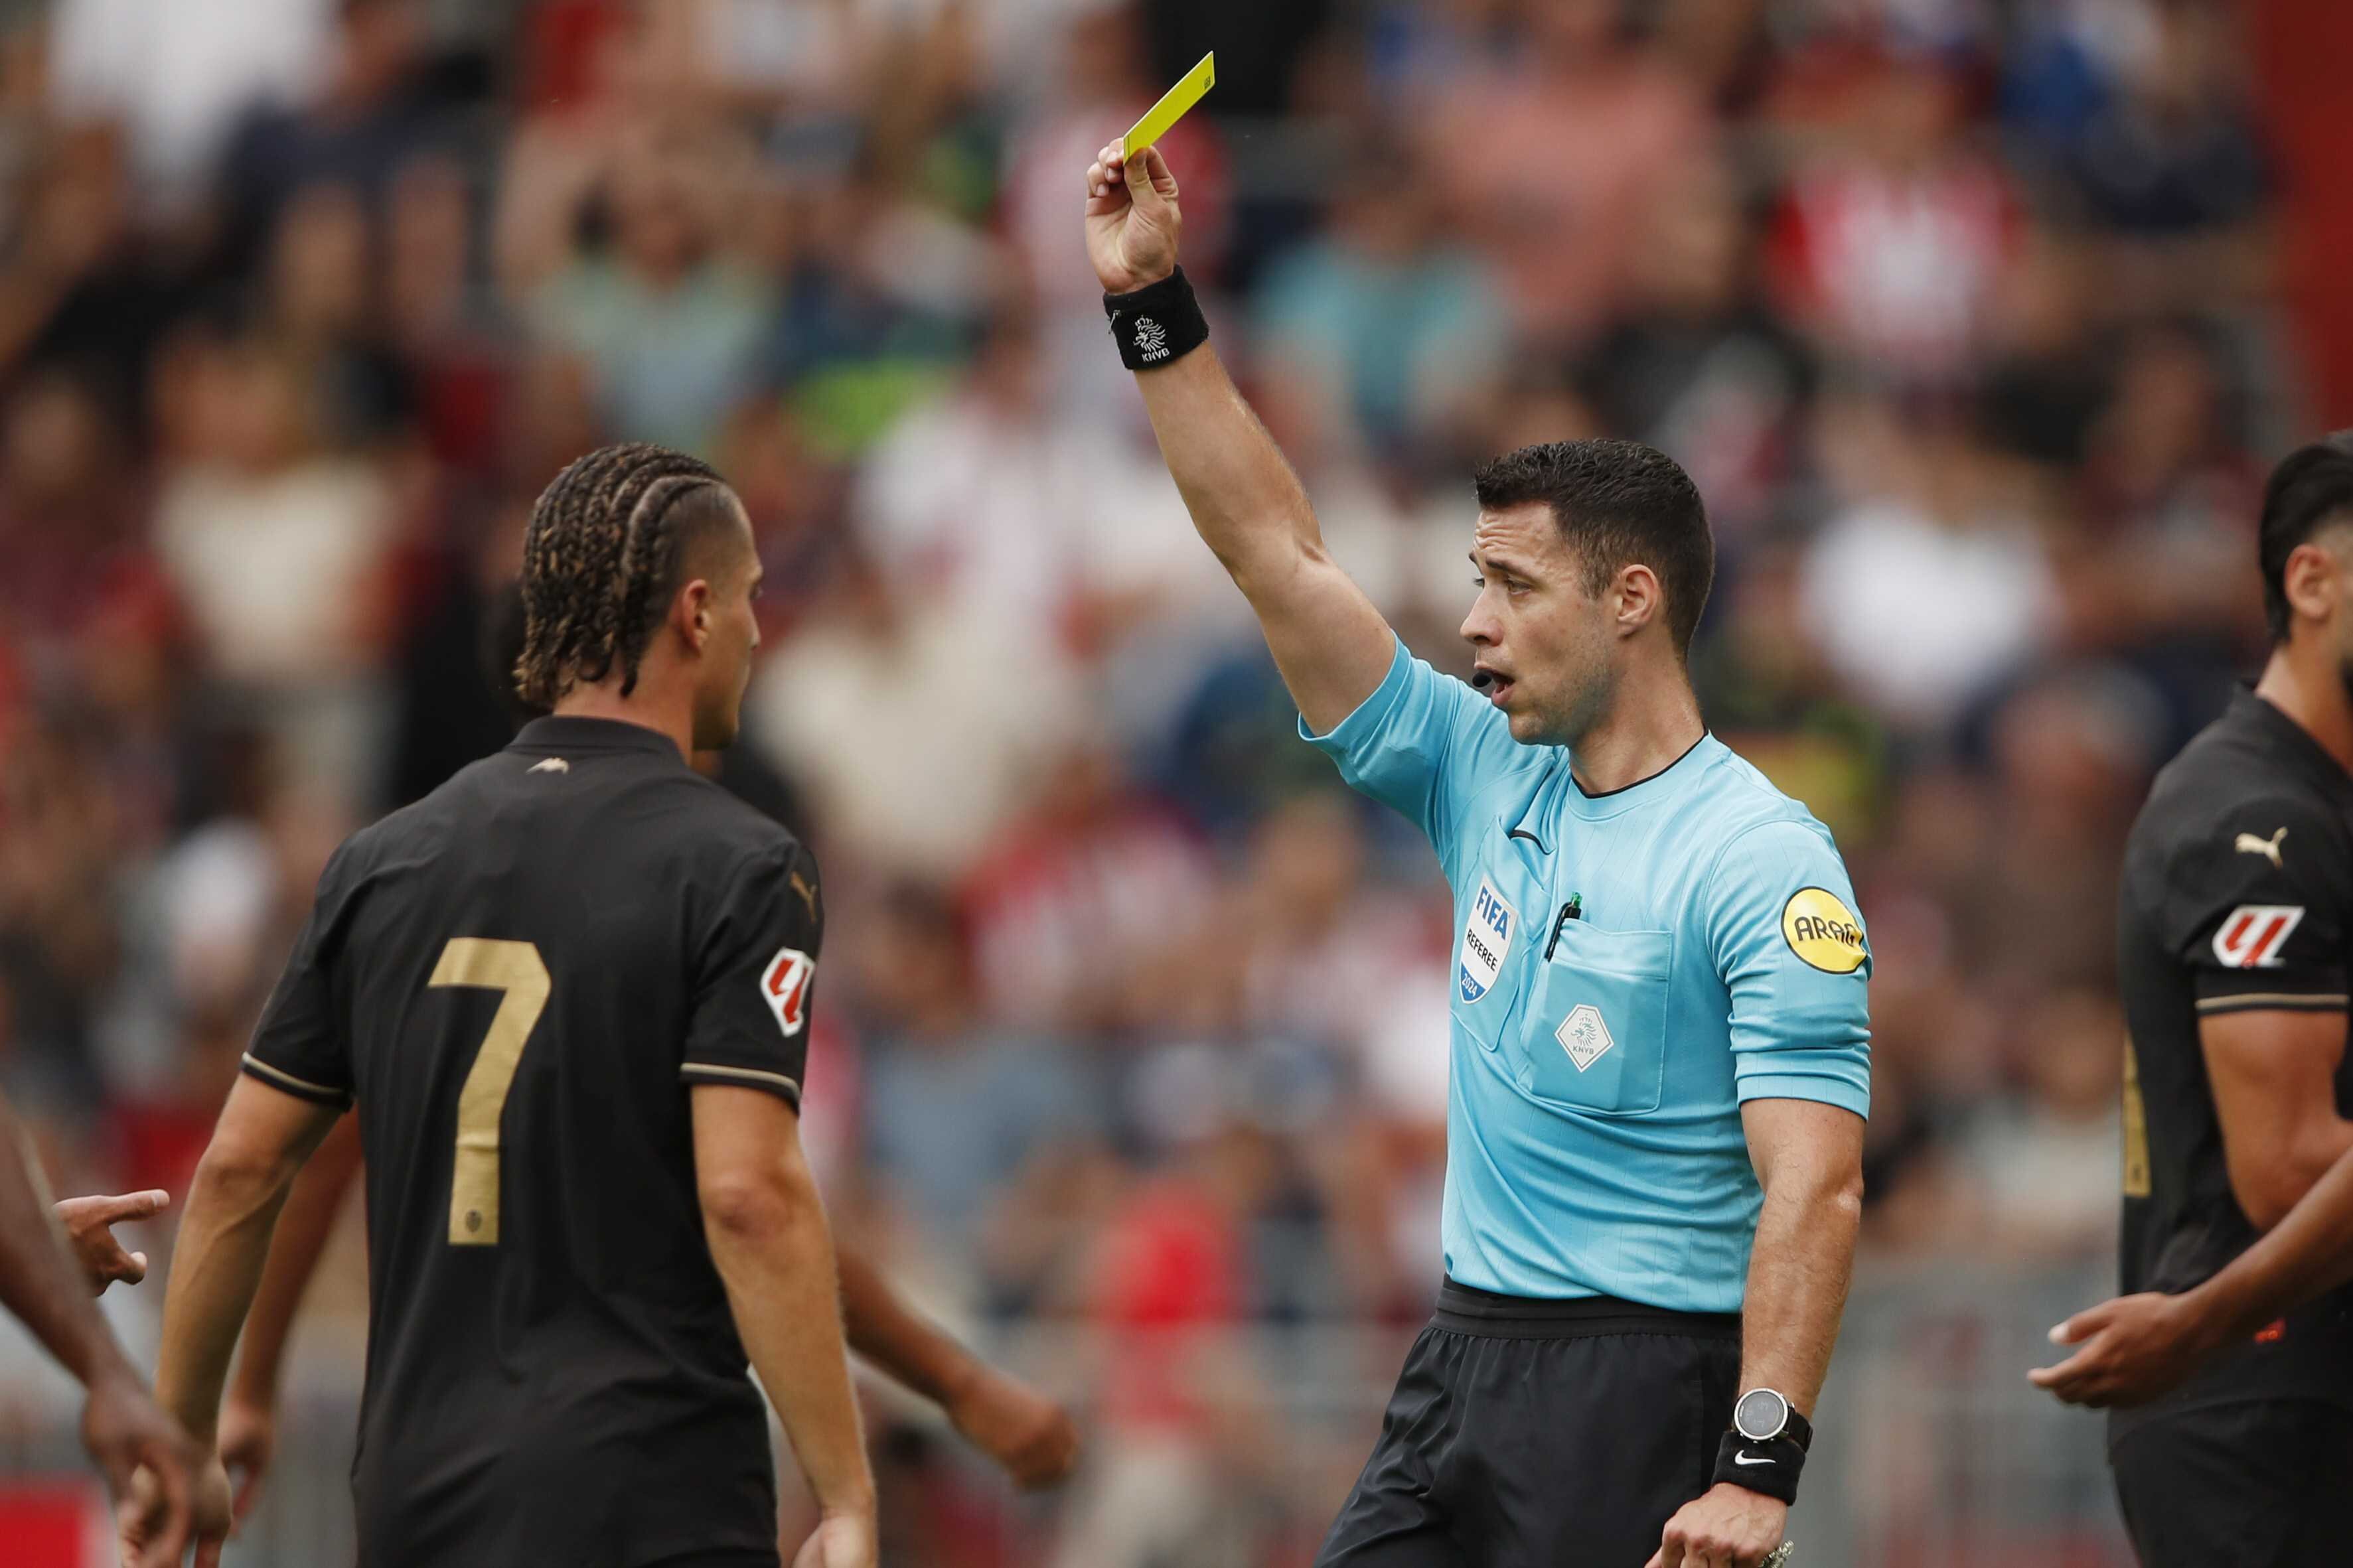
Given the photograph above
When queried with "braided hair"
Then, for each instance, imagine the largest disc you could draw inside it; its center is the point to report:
(600, 560)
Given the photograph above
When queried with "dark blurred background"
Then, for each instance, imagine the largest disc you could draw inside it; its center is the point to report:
(1976, 322)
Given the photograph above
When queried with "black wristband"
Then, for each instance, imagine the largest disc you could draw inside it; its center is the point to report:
(1769, 1468)
(1158, 325)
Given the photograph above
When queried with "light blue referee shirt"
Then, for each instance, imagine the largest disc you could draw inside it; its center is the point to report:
(1710, 956)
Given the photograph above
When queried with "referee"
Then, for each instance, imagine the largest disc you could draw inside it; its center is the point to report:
(1659, 1063)
(2235, 922)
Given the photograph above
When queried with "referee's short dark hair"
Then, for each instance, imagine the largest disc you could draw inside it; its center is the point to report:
(2312, 488)
(1617, 503)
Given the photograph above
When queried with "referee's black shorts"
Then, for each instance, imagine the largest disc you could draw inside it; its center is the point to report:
(2256, 1483)
(1528, 1433)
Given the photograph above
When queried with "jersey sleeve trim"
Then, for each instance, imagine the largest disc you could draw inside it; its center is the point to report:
(1821, 1089)
(300, 1088)
(1363, 721)
(2275, 1002)
(776, 1083)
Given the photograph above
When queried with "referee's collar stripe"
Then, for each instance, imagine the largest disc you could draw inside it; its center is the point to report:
(1556, 791)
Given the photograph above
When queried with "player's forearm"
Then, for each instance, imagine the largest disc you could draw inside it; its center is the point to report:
(215, 1269)
(1244, 498)
(2308, 1252)
(1798, 1271)
(296, 1245)
(39, 1281)
(776, 1254)
(911, 1350)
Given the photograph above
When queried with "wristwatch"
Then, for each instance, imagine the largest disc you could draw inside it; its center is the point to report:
(1765, 1413)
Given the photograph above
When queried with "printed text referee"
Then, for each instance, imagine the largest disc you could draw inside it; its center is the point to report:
(1660, 1064)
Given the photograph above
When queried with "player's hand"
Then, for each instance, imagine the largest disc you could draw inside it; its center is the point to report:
(148, 1461)
(1725, 1527)
(2134, 1348)
(1131, 220)
(147, 1540)
(841, 1541)
(1029, 1435)
(248, 1442)
(87, 1223)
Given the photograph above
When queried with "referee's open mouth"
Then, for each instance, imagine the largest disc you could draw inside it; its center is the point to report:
(1493, 683)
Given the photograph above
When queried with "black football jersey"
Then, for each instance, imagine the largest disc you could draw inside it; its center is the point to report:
(2237, 895)
(517, 979)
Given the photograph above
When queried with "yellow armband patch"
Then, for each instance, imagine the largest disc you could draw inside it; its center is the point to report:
(1823, 931)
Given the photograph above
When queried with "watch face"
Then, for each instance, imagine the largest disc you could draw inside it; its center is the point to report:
(1760, 1414)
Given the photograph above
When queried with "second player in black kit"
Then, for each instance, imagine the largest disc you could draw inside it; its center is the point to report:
(2235, 925)
(513, 977)
(568, 993)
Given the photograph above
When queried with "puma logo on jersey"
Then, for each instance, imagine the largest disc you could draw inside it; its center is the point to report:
(552, 765)
(808, 894)
(2269, 849)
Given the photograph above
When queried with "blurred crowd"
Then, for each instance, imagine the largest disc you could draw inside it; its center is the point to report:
(1961, 313)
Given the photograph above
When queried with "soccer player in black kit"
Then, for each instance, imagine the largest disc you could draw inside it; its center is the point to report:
(568, 993)
(2236, 935)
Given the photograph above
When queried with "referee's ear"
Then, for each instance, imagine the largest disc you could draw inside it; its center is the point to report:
(1642, 599)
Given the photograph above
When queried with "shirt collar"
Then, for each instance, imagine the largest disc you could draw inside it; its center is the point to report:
(1556, 791)
(574, 733)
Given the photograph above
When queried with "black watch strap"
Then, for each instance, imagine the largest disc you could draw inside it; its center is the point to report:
(1800, 1428)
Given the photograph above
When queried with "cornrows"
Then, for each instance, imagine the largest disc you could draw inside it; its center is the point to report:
(597, 559)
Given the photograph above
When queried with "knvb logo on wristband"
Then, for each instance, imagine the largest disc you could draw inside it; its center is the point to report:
(1157, 324)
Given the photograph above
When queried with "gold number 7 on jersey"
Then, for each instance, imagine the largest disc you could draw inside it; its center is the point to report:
(514, 970)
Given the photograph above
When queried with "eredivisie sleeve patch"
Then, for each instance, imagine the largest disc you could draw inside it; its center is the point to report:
(785, 984)
(2251, 935)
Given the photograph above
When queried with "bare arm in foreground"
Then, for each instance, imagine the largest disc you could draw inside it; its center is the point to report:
(1330, 643)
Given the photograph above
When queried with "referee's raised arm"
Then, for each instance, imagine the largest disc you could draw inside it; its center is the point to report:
(1330, 643)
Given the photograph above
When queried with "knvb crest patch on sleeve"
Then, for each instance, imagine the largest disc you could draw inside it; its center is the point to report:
(1486, 941)
(783, 985)
(2251, 935)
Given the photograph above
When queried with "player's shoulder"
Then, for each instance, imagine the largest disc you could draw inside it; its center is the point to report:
(714, 850)
(419, 829)
(730, 863)
(2249, 772)
(709, 819)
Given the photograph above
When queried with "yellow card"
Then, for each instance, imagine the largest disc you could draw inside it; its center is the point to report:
(1172, 107)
